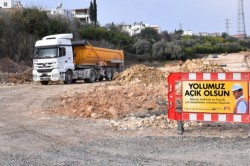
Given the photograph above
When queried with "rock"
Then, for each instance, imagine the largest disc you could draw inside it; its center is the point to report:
(90, 109)
(94, 115)
(88, 114)
(113, 112)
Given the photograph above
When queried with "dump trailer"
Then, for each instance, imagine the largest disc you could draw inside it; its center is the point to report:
(58, 58)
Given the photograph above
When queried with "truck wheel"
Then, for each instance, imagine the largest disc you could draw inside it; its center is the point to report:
(44, 82)
(108, 74)
(68, 77)
(92, 77)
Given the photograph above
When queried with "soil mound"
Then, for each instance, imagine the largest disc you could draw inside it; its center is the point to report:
(139, 90)
(14, 72)
(200, 65)
(140, 74)
(9, 66)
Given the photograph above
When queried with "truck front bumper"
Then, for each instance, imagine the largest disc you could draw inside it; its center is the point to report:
(54, 75)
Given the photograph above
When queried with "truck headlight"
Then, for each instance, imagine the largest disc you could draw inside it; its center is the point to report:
(56, 66)
(54, 75)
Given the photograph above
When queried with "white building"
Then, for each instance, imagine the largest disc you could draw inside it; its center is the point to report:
(60, 11)
(137, 28)
(214, 34)
(187, 33)
(7, 4)
(81, 14)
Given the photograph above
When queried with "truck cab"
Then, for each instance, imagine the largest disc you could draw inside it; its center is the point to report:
(53, 59)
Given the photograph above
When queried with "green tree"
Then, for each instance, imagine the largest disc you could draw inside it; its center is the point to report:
(245, 43)
(112, 36)
(2, 29)
(150, 35)
(173, 51)
(158, 50)
(166, 36)
(15, 38)
(35, 21)
(142, 47)
(58, 25)
(93, 12)
(225, 35)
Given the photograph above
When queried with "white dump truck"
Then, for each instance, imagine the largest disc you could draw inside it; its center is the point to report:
(58, 58)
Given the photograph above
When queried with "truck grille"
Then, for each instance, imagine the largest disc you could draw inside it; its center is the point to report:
(44, 70)
(44, 65)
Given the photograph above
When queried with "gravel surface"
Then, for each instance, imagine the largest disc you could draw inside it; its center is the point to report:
(30, 136)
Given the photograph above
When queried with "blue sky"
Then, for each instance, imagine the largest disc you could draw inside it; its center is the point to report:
(195, 15)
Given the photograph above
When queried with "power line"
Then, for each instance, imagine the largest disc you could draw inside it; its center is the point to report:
(241, 29)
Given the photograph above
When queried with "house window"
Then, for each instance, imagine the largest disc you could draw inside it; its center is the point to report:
(5, 4)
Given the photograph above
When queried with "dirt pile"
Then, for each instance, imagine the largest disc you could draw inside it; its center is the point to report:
(200, 65)
(139, 91)
(111, 101)
(140, 74)
(13, 72)
(9, 66)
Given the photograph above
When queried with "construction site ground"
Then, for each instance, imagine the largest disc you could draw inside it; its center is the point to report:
(123, 122)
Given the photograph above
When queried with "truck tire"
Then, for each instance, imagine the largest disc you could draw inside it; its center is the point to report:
(68, 77)
(44, 82)
(92, 76)
(108, 74)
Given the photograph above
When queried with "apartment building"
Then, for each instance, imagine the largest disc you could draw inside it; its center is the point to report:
(7, 4)
(81, 14)
(138, 27)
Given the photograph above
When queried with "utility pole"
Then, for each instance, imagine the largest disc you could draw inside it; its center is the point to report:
(180, 26)
(241, 29)
(227, 26)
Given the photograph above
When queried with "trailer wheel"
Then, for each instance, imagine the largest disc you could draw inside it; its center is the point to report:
(92, 77)
(108, 74)
(68, 77)
(44, 82)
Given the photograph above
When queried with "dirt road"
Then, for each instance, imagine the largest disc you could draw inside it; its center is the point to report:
(31, 137)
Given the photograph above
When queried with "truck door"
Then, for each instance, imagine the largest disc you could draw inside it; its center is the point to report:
(62, 60)
(65, 58)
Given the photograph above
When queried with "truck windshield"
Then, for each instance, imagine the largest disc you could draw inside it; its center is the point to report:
(41, 53)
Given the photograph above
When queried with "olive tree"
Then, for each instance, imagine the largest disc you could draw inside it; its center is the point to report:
(142, 46)
(158, 50)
